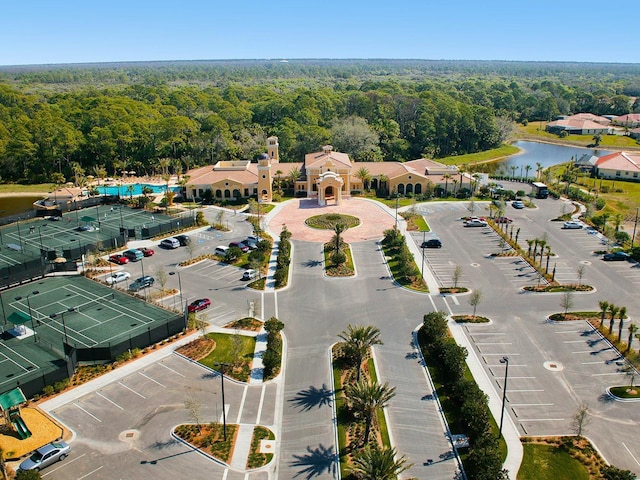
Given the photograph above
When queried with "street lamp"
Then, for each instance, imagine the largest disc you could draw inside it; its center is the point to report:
(33, 326)
(224, 412)
(64, 325)
(504, 360)
(182, 304)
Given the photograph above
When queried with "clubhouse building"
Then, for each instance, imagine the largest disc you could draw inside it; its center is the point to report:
(327, 176)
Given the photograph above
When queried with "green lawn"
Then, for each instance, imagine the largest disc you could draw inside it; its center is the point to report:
(535, 130)
(225, 352)
(547, 462)
(18, 188)
(488, 156)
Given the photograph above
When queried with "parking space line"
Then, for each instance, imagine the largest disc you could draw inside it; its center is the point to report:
(242, 400)
(171, 369)
(90, 414)
(63, 465)
(494, 343)
(91, 473)
(455, 300)
(610, 373)
(520, 378)
(520, 391)
(627, 449)
(573, 341)
(592, 363)
(131, 390)
(593, 351)
(261, 403)
(531, 404)
(502, 354)
(109, 400)
(540, 419)
(149, 378)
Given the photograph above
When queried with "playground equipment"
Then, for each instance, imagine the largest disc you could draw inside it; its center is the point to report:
(10, 407)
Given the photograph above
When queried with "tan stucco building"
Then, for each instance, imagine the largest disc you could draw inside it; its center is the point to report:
(326, 175)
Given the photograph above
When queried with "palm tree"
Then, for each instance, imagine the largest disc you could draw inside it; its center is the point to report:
(364, 176)
(604, 306)
(366, 398)
(538, 170)
(513, 171)
(621, 315)
(633, 328)
(383, 180)
(613, 310)
(279, 181)
(358, 340)
(527, 168)
(542, 244)
(373, 463)
(530, 243)
(338, 228)
(292, 178)
(455, 183)
(100, 172)
(446, 177)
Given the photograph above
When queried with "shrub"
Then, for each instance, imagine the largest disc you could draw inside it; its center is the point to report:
(48, 390)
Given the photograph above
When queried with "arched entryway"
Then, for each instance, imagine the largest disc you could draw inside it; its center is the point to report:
(329, 188)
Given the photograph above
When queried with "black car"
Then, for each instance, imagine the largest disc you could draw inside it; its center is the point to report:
(183, 239)
(616, 257)
(432, 243)
(140, 283)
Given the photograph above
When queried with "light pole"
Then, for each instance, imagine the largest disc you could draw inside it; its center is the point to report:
(33, 325)
(183, 307)
(224, 412)
(64, 325)
(504, 360)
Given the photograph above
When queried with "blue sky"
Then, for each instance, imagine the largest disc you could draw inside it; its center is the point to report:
(75, 31)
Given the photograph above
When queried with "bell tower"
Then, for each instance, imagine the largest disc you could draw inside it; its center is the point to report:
(264, 177)
(272, 149)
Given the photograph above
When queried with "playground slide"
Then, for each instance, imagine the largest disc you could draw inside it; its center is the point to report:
(21, 428)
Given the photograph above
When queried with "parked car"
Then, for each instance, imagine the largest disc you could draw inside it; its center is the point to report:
(432, 243)
(475, 223)
(571, 225)
(134, 255)
(170, 243)
(240, 245)
(183, 239)
(249, 274)
(200, 304)
(221, 250)
(140, 283)
(119, 259)
(517, 204)
(147, 252)
(117, 277)
(45, 456)
(503, 220)
(616, 257)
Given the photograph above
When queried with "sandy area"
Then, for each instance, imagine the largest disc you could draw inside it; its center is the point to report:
(43, 430)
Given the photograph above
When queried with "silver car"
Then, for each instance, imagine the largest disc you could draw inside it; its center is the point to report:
(571, 225)
(45, 456)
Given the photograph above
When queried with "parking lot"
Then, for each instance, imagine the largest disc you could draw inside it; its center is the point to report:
(125, 425)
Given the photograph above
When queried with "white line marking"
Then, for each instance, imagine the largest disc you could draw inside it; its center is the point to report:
(455, 300)
(627, 448)
(130, 389)
(602, 374)
(592, 363)
(541, 419)
(62, 465)
(520, 391)
(244, 396)
(494, 343)
(502, 354)
(531, 404)
(91, 415)
(516, 378)
(149, 378)
(593, 351)
(109, 400)
(90, 473)
(573, 341)
(171, 369)
(264, 389)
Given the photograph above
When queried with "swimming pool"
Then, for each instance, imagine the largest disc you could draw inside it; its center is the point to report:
(124, 191)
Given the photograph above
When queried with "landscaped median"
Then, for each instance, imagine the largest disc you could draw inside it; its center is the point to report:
(401, 262)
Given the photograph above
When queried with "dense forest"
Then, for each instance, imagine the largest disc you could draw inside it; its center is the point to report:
(74, 120)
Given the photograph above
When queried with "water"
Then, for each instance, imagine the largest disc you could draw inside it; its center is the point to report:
(545, 154)
(10, 205)
(123, 190)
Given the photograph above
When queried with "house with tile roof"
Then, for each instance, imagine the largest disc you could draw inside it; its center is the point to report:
(326, 175)
(578, 126)
(619, 166)
(631, 120)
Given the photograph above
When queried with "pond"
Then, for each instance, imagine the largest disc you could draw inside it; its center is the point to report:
(546, 154)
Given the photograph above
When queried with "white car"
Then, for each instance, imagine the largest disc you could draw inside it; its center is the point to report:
(572, 225)
(117, 277)
(475, 223)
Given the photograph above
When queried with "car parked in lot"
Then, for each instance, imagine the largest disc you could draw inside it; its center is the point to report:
(147, 252)
(45, 456)
(249, 274)
(432, 243)
(200, 304)
(117, 277)
(616, 257)
(170, 243)
(475, 223)
(570, 225)
(183, 239)
(517, 204)
(134, 255)
(118, 259)
(503, 220)
(240, 245)
(140, 283)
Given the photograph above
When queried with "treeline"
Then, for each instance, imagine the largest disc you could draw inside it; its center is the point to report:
(150, 120)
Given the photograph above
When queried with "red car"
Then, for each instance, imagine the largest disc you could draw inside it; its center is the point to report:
(199, 304)
(119, 259)
(503, 220)
(147, 252)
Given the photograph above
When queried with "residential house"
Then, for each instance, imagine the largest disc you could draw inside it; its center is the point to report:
(577, 126)
(619, 166)
(631, 120)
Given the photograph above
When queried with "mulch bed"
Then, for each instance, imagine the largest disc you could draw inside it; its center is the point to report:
(198, 348)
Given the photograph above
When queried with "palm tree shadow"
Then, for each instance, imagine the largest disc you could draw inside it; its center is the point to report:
(312, 263)
(312, 397)
(316, 462)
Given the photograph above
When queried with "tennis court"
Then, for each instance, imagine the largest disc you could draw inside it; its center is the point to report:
(74, 316)
(80, 231)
